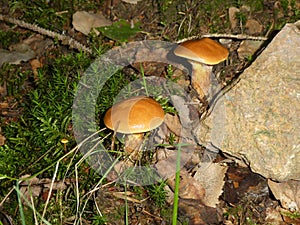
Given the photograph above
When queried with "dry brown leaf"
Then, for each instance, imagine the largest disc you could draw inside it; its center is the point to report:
(232, 12)
(5, 219)
(2, 140)
(119, 169)
(248, 48)
(84, 21)
(38, 43)
(167, 168)
(173, 123)
(288, 193)
(198, 214)
(35, 64)
(20, 53)
(253, 27)
(35, 187)
(211, 177)
(3, 90)
(30, 191)
(189, 188)
(273, 216)
(4, 105)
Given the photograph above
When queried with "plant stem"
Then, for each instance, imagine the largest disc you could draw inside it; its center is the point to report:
(20, 204)
(176, 189)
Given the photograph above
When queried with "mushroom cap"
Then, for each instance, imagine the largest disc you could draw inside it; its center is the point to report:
(204, 50)
(64, 141)
(134, 115)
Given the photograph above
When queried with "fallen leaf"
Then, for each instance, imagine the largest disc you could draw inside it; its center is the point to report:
(30, 191)
(151, 68)
(173, 123)
(273, 216)
(5, 219)
(3, 90)
(189, 188)
(232, 11)
(198, 214)
(211, 177)
(35, 187)
(38, 43)
(166, 168)
(21, 54)
(247, 48)
(253, 27)
(288, 193)
(84, 21)
(125, 196)
(2, 140)
(45, 194)
(35, 64)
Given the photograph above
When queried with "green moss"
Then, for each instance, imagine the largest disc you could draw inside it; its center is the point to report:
(8, 38)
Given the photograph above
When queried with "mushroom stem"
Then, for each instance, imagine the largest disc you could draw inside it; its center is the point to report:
(133, 142)
(200, 79)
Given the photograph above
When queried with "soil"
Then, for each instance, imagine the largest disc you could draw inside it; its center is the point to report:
(246, 198)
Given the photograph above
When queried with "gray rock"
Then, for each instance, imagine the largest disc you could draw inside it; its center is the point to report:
(261, 112)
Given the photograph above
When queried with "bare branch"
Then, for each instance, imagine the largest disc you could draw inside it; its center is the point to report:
(66, 40)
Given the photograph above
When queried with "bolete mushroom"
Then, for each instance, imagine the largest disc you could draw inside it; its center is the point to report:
(202, 54)
(134, 116)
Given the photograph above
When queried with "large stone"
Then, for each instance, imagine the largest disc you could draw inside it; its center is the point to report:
(261, 113)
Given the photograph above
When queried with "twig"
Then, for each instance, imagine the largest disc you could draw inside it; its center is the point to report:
(226, 36)
(237, 36)
(66, 40)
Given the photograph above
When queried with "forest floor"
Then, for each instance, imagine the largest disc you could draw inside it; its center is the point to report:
(45, 180)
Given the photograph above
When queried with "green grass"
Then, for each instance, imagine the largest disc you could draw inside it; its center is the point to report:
(33, 140)
(45, 119)
(158, 194)
(34, 147)
(292, 215)
(53, 15)
(10, 37)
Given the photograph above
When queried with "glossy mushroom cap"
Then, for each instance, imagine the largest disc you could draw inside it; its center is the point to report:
(204, 50)
(134, 115)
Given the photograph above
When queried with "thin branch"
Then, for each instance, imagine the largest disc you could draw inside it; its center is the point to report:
(66, 40)
(226, 36)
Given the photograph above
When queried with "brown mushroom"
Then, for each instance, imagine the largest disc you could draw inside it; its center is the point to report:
(134, 116)
(202, 54)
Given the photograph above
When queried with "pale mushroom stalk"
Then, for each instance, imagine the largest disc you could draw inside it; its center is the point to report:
(133, 142)
(202, 54)
(200, 80)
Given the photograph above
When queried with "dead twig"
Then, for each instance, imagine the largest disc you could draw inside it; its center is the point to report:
(226, 36)
(66, 40)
